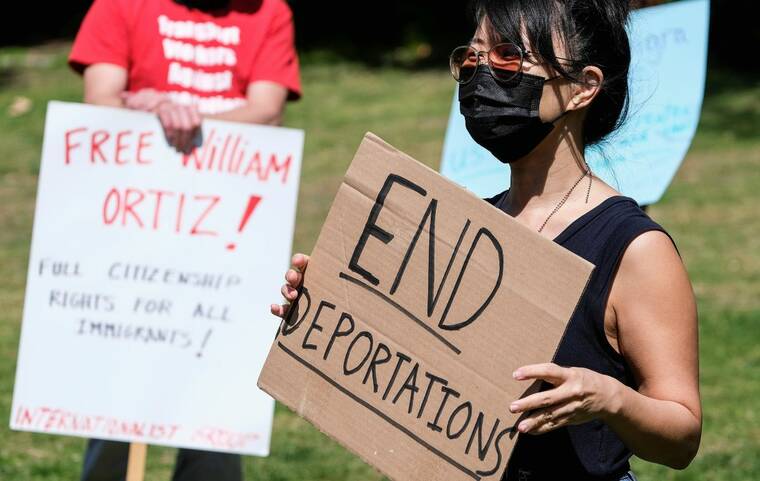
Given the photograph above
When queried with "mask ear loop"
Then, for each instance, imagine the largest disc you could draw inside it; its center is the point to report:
(550, 79)
(566, 112)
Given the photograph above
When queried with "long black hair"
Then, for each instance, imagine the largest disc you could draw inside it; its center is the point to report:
(593, 32)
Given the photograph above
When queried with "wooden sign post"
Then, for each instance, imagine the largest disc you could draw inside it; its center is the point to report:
(136, 464)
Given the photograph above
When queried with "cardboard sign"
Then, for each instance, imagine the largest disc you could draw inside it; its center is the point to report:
(419, 302)
(667, 85)
(150, 276)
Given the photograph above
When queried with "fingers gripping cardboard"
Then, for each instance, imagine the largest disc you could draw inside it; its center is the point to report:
(419, 302)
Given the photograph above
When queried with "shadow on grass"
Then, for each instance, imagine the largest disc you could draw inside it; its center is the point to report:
(8, 77)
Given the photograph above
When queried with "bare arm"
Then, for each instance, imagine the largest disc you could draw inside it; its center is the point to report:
(104, 84)
(265, 105)
(656, 319)
(657, 328)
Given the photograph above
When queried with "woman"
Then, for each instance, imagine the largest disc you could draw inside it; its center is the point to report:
(541, 81)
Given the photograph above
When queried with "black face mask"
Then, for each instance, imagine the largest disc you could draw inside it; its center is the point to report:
(205, 5)
(503, 116)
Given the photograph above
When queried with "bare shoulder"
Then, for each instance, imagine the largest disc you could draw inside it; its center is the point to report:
(601, 191)
(653, 250)
(652, 286)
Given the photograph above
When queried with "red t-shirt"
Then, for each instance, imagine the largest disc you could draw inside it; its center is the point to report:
(194, 56)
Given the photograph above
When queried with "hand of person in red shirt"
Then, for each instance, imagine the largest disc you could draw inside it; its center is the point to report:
(181, 123)
(145, 99)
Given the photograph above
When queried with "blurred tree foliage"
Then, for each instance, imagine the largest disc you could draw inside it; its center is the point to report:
(415, 33)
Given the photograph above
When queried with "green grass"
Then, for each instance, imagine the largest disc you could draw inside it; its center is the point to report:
(710, 210)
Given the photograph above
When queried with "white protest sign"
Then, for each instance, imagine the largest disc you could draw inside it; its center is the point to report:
(146, 316)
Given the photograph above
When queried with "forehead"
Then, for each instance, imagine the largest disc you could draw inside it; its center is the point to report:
(486, 35)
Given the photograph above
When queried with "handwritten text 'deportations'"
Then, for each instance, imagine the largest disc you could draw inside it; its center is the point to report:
(419, 302)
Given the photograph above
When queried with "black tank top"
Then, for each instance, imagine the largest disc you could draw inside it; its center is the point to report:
(591, 451)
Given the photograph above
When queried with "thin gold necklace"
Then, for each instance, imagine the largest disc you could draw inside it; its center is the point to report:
(567, 196)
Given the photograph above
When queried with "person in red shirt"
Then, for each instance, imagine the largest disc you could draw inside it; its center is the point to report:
(186, 60)
(189, 59)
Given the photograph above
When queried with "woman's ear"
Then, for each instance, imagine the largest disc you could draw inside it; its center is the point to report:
(587, 89)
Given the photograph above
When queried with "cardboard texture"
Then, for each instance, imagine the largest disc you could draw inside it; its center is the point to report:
(419, 302)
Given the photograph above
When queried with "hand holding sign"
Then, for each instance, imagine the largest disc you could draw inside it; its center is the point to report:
(146, 100)
(579, 395)
(181, 123)
(294, 280)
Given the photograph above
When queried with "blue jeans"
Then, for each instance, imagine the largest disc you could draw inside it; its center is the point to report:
(107, 461)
